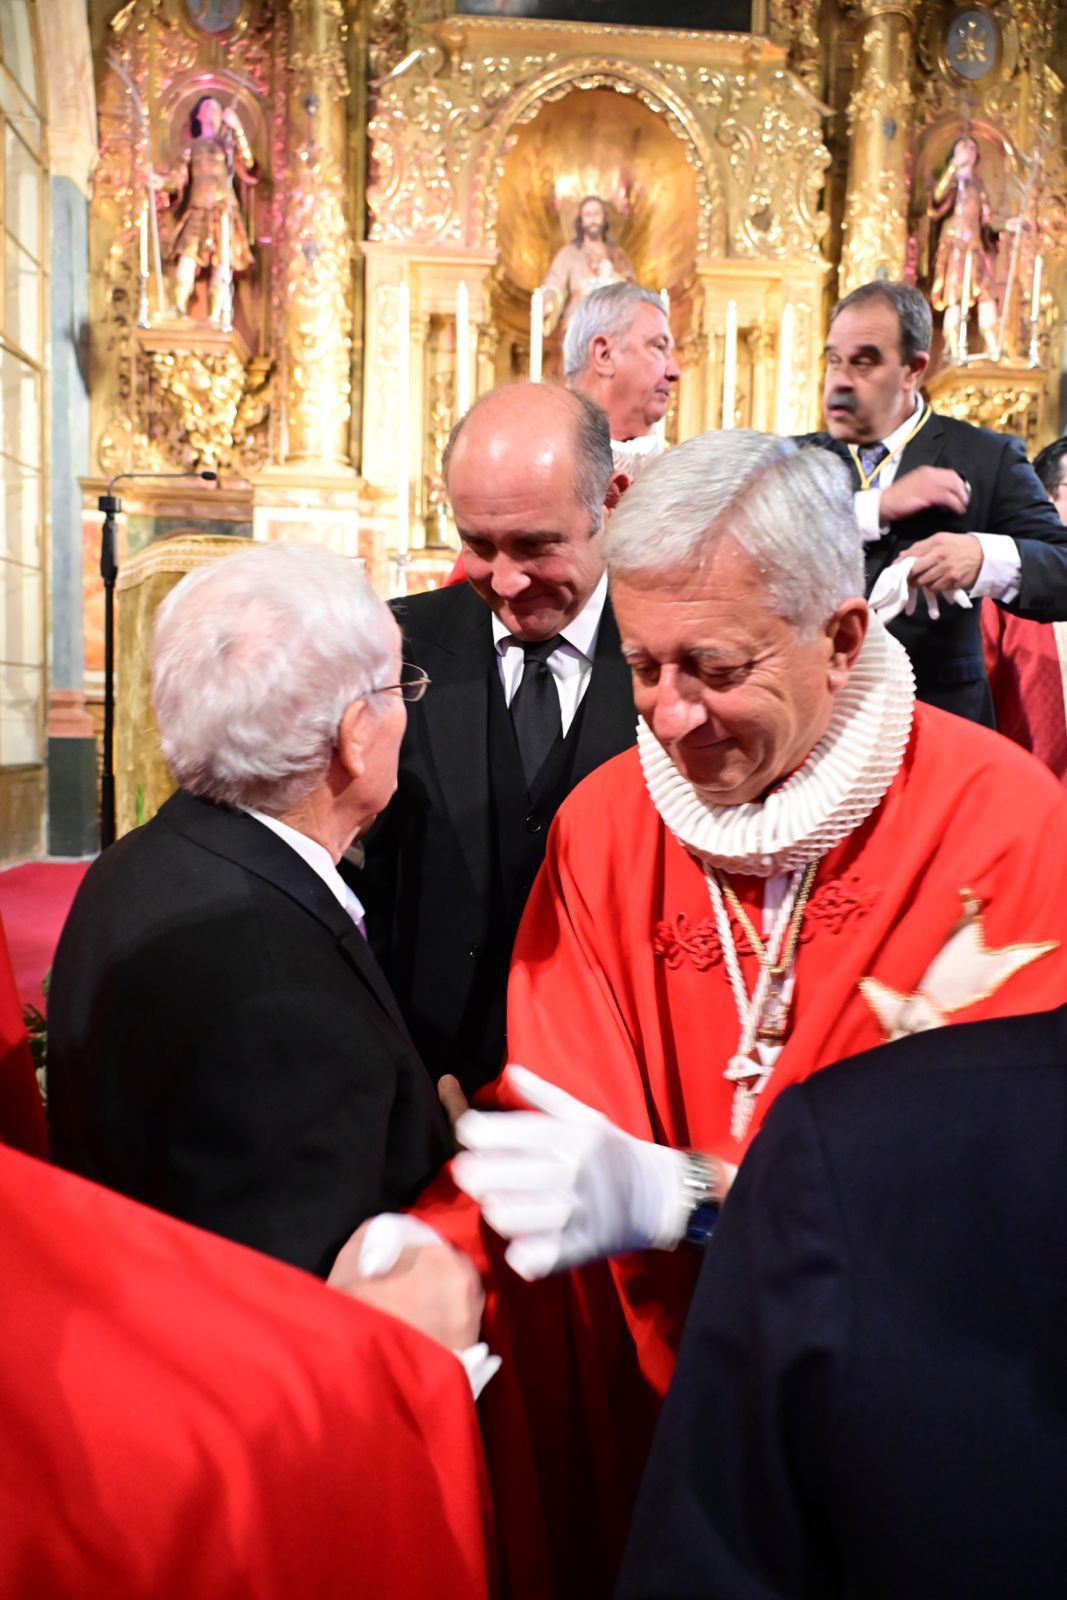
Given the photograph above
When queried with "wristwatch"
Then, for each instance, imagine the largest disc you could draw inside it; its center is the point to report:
(700, 1180)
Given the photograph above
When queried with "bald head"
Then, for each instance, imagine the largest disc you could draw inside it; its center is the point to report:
(537, 422)
(529, 473)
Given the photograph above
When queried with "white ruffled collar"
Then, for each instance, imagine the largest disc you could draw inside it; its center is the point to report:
(839, 785)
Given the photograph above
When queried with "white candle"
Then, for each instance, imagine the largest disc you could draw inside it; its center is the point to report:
(403, 439)
(224, 245)
(665, 297)
(729, 366)
(463, 344)
(143, 231)
(1035, 291)
(537, 325)
(783, 419)
(965, 293)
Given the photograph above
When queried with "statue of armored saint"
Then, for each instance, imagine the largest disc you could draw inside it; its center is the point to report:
(210, 235)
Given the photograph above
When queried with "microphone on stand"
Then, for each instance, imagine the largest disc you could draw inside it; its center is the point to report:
(110, 505)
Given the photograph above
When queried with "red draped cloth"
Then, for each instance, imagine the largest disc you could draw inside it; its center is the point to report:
(181, 1417)
(620, 995)
(1026, 663)
(22, 1119)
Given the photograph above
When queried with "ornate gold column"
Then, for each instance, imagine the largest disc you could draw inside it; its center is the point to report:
(875, 234)
(318, 251)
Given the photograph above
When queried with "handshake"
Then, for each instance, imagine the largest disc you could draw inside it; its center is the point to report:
(560, 1182)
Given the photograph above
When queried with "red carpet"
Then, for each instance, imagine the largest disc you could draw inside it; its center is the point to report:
(34, 901)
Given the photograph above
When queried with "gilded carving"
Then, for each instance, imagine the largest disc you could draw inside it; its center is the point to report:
(875, 232)
(795, 23)
(205, 388)
(441, 131)
(317, 277)
(1004, 407)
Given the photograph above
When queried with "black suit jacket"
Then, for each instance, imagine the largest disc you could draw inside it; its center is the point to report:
(434, 912)
(223, 1046)
(1006, 497)
(871, 1397)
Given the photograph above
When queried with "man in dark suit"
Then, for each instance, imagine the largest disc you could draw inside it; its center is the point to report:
(961, 501)
(222, 1044)
(530, 693)
(871, 1396)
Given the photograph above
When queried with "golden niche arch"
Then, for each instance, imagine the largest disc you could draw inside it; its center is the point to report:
(712, 152)
(593, 141)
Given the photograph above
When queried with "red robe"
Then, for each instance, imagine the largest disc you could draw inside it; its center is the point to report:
(22, 1119)
(618, 993)
(1026, 663)
(181, 1417)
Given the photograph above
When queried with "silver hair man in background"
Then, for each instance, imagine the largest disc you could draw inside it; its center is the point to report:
(222, 1044)
(796, 862)
(619, 351)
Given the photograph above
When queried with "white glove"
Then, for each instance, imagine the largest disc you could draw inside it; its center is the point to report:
(388, 1235)
(892, 594)
(568, 1186)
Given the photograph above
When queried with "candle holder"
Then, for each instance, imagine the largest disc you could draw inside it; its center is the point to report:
(144, 317)
(1034, 356)
(226, 303)
(962, 353)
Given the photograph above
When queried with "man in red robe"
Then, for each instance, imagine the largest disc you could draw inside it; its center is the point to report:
(1025, 661)
(180, 1416)
(797, 863)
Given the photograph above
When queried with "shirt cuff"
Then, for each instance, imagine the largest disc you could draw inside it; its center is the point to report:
(1001, 571)
(866, 503)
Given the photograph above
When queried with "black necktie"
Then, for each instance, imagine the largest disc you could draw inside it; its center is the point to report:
(535, 710)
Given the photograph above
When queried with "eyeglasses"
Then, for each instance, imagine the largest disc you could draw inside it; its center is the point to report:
(412, 686)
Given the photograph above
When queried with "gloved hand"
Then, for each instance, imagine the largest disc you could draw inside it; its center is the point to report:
(564, 1184)
(892, 593)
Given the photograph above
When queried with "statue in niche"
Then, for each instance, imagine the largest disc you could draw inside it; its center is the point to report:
(210, 234)
(588, 262)
(965, 259)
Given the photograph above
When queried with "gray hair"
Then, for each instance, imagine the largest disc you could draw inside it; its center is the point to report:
(255, 660)
(591, 439)
(913, 312)
(609, 311)
(790, 510)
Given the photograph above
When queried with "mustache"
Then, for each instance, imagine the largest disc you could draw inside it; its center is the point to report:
(843, 398)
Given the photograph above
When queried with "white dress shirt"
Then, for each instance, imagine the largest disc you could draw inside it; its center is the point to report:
(1001, 569)
(570, 664)
(318, 859)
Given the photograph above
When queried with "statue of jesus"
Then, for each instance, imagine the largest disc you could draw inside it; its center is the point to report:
(588, 262)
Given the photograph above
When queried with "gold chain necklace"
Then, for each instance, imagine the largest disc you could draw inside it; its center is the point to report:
(779, 968)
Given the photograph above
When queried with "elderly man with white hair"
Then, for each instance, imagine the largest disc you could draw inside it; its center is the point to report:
(620, 352)
(796, 863)
(222, 1043)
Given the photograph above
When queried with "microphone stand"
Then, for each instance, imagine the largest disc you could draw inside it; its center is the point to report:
(111, 505)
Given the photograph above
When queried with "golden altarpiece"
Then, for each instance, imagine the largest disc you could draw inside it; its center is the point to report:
(403, 173)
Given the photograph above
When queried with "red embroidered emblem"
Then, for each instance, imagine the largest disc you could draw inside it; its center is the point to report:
(833, 904)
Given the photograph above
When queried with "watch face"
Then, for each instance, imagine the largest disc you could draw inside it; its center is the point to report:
(972, 45)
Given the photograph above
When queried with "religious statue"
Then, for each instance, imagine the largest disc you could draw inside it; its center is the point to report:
(210, 235)
(588, 262)
(965, 261)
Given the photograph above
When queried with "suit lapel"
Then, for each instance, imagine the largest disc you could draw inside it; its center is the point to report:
(456, 727)
(609, 721)
(926, 448)
(248, 844)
